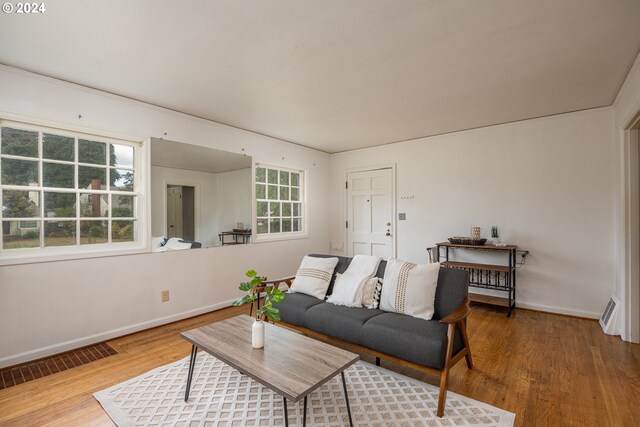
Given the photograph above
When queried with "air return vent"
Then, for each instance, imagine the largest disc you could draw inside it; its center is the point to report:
(609, 316)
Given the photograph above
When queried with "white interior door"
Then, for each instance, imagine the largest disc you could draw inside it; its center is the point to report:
(174, 212)
(370, 229)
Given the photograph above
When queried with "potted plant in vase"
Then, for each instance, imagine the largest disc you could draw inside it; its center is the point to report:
(494, 235)
(272, 295)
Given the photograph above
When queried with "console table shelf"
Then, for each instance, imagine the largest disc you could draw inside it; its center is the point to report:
(487, 276)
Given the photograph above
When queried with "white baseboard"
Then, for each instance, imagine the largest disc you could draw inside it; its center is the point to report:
(38, 353)
(559, 310)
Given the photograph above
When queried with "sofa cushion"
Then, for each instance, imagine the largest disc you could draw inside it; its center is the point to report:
(409, 338)
(294, 306)
(339, 321)
(453, 288)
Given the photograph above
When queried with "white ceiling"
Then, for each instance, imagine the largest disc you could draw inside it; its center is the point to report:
(178, 155)
(338, 74)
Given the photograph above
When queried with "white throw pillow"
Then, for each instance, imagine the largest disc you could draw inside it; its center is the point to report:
(410, 288)
(313, 276)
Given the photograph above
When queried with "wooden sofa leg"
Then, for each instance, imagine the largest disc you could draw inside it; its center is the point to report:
(465, 341)
(444, 378)
(377, 361)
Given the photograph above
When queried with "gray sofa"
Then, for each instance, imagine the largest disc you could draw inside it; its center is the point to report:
(429, 346)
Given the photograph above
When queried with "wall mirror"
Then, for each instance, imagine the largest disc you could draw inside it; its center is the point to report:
(199, 194)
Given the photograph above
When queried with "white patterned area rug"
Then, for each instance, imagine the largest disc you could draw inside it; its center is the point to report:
(222, 396)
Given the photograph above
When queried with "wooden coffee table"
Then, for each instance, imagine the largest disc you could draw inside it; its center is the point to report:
(290, 364)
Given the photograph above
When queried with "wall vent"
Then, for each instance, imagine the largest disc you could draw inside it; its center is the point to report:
(609, 317)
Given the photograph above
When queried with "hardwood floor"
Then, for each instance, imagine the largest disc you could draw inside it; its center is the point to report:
(550, 370)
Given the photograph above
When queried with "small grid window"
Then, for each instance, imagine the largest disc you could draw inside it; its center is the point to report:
(63, 189)
(279, 201)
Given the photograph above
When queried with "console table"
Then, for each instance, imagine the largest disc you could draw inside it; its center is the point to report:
(245, 235)
(487, 276)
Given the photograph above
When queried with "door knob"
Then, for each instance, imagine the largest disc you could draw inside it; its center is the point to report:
(388, 233)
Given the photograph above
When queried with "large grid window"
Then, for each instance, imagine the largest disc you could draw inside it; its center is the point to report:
(279, 201)
(65, 189)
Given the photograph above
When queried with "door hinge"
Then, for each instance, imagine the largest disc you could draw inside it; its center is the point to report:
(346, 185)
(347, 224)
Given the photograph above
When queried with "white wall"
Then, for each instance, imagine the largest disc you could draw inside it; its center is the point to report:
(49, 307)
(234, 199)
(206, 201)
(546, 183)
(626, 251)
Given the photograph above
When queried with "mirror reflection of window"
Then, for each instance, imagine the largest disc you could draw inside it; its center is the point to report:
(203, 192)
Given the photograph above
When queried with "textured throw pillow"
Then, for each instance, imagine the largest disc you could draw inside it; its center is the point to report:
(313, 276)
(374, 302)
(368, 293)
(410, 288)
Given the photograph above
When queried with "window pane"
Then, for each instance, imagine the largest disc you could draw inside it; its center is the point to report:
(59, 233)
(284, 178)
(261, 191)
(93, 152)
(121, 180)
(122, 231)
(262, 209)
(56, 147)
(94, 205)
(19, 172)
(20, 234)
(92, 232)
(92, 178)
(273, 176)
(297, 209)
(274, 209)
(284, 193)
(58, 175)
(274, 225)
(286, 209)
(19, 142)
(295, 179)
(273, 192)
(295, 193)
(20, 204)
(122, 206)
(59, 205)
(121, 155)
(286, 225)
(297, 224)
(262, 225)
(261, 175)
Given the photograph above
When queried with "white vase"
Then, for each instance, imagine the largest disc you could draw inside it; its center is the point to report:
(257, 334)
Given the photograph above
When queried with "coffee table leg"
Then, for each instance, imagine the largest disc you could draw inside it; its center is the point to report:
(192, 364)
(346, 398)
(286, 416)
(304, 413)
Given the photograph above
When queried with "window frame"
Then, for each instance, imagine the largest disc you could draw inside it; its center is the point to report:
(304, 202)
(77, 250)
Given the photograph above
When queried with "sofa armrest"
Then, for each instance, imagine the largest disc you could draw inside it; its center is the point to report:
(273, 284)
(458, 314)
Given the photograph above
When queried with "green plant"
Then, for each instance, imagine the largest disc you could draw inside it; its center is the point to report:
(272, 296)
(494, 232)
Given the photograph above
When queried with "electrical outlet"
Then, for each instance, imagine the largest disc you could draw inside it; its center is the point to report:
(165, 296)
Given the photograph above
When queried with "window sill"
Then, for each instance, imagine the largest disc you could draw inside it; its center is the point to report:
(18, 259)
(261, 238)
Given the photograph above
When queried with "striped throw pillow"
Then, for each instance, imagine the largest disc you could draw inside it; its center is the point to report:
(410, 288)
(313, 276)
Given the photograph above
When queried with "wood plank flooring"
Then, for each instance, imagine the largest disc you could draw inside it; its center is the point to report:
(550, 370)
